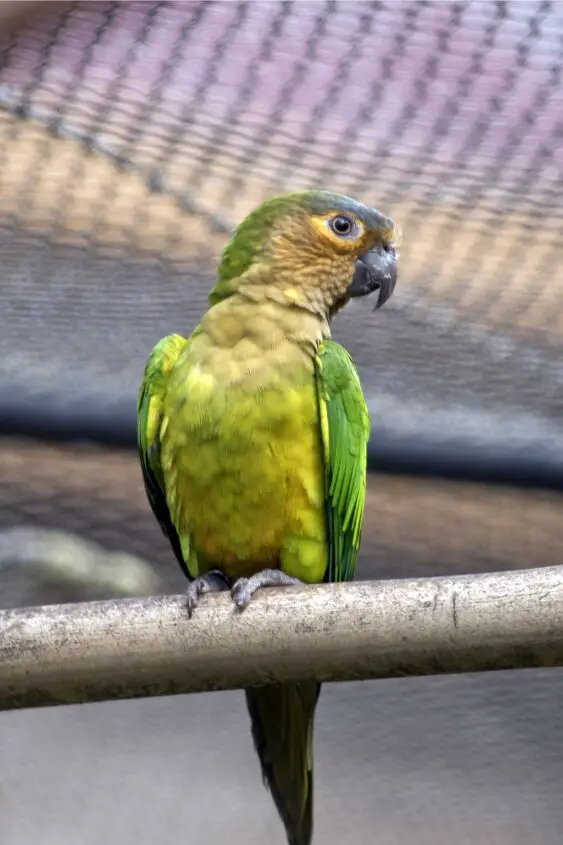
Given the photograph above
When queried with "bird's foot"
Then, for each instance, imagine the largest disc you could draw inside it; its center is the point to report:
(211, 582)
(244, 588)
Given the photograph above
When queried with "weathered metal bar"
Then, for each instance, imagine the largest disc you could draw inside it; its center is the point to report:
(143, 647)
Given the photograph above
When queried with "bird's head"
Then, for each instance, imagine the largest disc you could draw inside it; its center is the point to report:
(314, 249)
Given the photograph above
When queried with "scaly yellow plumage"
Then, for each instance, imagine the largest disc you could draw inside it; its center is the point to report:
(249, 433)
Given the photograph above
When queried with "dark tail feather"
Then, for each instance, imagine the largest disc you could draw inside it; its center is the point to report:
(282, 720)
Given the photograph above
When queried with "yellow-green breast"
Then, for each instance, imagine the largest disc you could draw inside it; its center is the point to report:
(241, 443)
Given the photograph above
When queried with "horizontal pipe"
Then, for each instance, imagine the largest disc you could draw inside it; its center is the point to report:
(129, 648)
(59, 419)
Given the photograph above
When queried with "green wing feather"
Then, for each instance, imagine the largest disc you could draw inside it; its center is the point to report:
(150, 407)
(345, 428)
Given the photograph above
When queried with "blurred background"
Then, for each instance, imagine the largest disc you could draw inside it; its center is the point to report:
(134, 136)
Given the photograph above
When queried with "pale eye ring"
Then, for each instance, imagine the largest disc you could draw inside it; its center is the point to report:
(342, 225)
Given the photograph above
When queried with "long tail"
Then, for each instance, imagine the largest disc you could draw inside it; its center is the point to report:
(282, 720)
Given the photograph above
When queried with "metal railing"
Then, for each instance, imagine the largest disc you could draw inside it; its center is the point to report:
(129, 648)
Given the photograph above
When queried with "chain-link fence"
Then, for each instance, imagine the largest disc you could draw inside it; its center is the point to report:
(136, 134)
(133, 137)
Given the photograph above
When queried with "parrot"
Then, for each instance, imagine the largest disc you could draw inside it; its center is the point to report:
(252, 436)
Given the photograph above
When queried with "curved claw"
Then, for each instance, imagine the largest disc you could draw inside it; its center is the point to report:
(241, 592)
(244, 588)
(211, 582)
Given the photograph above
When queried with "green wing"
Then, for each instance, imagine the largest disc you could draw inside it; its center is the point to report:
(149, 419)
(345, 428)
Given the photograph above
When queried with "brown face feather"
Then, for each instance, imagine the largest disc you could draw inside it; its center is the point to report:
(297, 245)
(306, 257)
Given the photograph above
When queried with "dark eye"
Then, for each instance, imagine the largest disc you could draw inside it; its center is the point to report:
(341, 225)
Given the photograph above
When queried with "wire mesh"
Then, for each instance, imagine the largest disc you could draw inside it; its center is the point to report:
(136, 134)
(145, 131)
(447, 114)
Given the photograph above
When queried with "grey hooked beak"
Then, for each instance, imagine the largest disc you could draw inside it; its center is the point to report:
(375, 270)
